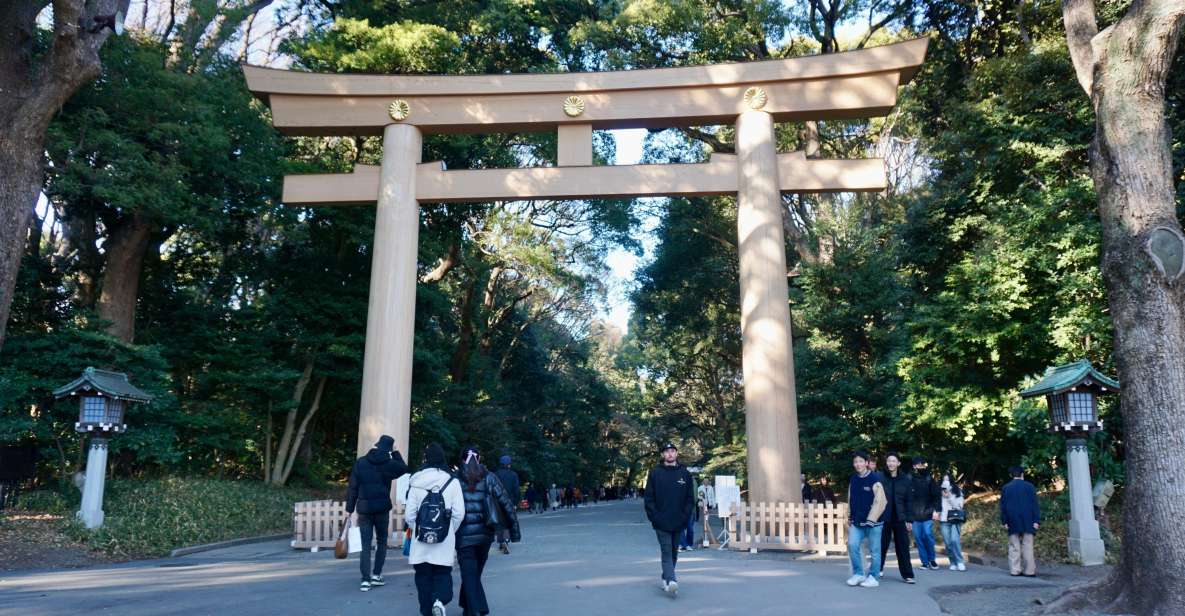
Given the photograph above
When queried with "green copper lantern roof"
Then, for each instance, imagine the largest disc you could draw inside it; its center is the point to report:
(1061, 379)
(113, 384)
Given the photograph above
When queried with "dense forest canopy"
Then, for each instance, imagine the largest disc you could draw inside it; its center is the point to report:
(162, 249)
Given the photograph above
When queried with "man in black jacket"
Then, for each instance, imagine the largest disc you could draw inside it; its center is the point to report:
(510, 484)
(924, 508)
(897, 491)
(670, 501)
(369, 502)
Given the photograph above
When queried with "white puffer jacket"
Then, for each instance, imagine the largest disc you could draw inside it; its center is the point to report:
(445, 553)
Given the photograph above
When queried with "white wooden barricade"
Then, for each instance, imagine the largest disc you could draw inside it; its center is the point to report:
(317, 524)
(789, 526)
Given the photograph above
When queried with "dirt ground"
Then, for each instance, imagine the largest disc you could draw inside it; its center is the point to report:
(35, 541)
(1026, 599)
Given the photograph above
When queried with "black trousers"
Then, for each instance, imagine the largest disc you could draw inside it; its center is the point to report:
(372, 524)
(472, 560)
(433, 582)
(896, 533)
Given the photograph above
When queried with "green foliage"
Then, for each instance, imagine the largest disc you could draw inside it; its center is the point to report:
(147, 519)
(984, 533)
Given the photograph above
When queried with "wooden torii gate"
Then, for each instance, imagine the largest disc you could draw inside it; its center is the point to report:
(752, 95)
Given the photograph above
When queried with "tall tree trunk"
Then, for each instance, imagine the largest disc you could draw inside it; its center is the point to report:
(32, 89)
(304, 425)
(1123, 69)
(281, 457)
(125, 249)
(20, 180)
(459, 366)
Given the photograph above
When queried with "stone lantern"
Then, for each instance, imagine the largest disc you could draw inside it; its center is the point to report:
(1072, 393)
(102, 399)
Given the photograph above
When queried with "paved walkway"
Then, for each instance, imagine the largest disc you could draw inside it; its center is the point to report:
(600, 560)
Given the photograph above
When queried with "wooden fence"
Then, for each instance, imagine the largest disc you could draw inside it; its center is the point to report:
(317, 524)
(789, 526)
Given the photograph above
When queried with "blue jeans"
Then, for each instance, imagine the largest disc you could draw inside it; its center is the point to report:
(856, 536)
(923, 535)
(687, 537)
(951, 538)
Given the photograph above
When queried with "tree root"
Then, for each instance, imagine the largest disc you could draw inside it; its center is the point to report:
(1108, 594)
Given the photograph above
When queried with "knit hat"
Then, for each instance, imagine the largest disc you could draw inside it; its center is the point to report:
(504, 460)
(385, 444)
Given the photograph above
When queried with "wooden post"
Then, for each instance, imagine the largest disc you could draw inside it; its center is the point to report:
(771, 419)
(390, 317)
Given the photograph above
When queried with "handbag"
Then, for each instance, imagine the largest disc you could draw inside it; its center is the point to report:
(955, 516)
(341, 548)
(355, 539)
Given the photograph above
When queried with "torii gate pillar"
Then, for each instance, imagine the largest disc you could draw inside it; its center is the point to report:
(771, 415)
(390, 322)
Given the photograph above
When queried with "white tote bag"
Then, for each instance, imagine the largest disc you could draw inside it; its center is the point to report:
(355, 539)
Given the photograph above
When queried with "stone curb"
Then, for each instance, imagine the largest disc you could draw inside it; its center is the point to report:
(194, 549)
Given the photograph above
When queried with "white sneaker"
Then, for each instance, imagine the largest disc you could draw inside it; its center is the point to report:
(663, 584)
(855, 580)
(376, 580)
(954, 567)
(673, 588)
(869, 582)
(962, 567)
(438, 609)
(364, 586)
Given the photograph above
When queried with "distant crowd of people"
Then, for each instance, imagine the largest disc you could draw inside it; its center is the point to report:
(539, 498)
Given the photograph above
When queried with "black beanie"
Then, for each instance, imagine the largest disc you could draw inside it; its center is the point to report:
(434, 455)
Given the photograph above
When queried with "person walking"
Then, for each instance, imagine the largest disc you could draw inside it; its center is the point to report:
(433, 562)
(553, 497)
(925, 507)
(897, 495)
(487, 506)
(687, 538)
(368, 501)
(1021, 515)
(808, 493)
(669, 500)
(529, 494)
(510, 483)
(866, 515)
(952, 523)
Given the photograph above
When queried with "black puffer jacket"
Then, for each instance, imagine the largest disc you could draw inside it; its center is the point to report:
(925, 497)
(370, 481)
(477, 527)
(897, 491)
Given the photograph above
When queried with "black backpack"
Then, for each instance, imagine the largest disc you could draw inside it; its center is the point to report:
(433, 518)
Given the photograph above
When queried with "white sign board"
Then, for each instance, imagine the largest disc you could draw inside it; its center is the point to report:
(728, 494)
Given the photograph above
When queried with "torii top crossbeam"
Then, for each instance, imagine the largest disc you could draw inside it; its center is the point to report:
(852, 84)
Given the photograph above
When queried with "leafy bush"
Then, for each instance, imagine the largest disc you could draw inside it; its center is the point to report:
(146, 518)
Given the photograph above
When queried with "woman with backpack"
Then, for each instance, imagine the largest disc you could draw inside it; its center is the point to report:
(952, 523)
(435, 510)
(487, 506)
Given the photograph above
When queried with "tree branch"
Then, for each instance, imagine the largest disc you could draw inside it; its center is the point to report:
(1081, 27)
